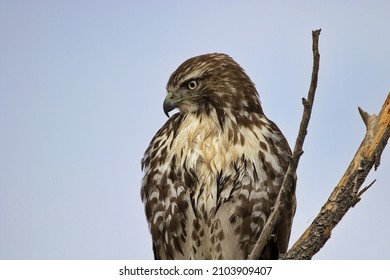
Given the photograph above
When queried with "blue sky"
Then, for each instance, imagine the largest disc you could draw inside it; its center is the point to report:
(81, 91)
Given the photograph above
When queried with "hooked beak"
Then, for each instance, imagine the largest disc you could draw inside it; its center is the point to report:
(169, 104)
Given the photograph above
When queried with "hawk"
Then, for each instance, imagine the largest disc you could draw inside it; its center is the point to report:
(213, 171)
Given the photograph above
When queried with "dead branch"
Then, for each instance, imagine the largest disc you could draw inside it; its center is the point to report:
(346, 194)
(285, 190)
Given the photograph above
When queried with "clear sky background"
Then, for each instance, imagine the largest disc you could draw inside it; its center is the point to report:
(81, 91)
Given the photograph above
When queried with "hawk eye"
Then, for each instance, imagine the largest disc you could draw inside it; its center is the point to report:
(192, 85)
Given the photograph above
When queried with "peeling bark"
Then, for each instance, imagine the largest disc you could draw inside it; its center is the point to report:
(347, 192)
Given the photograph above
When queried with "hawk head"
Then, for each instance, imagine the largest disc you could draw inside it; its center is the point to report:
(211, 82)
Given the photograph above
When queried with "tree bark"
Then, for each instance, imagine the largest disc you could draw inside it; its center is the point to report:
(347, 192)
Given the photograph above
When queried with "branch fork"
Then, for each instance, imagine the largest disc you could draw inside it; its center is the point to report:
(346, 194)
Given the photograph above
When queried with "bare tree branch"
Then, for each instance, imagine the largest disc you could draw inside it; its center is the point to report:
(346, 194)
(285, 191)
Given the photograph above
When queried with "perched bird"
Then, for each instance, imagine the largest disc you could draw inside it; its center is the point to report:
(213, 171)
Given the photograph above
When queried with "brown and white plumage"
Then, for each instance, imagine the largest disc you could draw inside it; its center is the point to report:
(214, 170)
